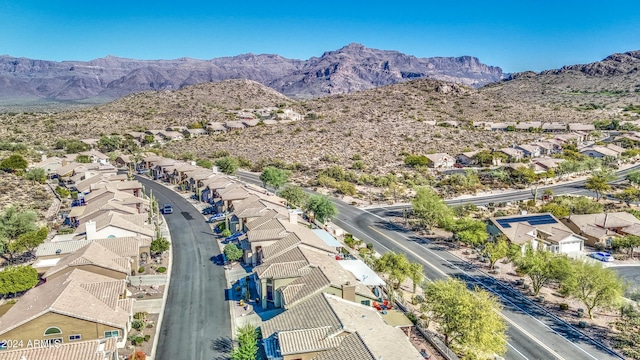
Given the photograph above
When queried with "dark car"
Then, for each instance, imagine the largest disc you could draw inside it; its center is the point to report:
(209, 210)
(167, 209)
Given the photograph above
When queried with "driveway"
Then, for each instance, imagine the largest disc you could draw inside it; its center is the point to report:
(196, 324)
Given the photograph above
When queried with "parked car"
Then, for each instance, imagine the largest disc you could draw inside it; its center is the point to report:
(602, 256)
(167, 209)
(234, 236)
(216, 217)
(209, 210)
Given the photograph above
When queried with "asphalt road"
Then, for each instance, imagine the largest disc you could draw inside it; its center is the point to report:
(630, 274)
(196, 324)
(533, 333)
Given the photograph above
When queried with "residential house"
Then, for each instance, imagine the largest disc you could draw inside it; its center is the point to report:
(440, 161)
(582, 127)
(599, 152)
(216, 128)
(501, 126)
(467, 158)
(529, 150)
(448, 123)
(149, 162)
(93, 142)
(541, 231)
(602, 228)
(170, 135)
(251, 122)
(554, 127)
(96, 157)
(133, 187)
(292, 276)
(573, 137)
(100, 349)
(84, 186)
(136, 135)
(528, 126)
(114, 225)
(124, 161)
(93, 258)
(549, 147)
(513, 155)
(193, 133)
(547, 163)
(50, 253)
(327, 327)
(49, 165)
(234, 125)
(159, 171)
(76, 306)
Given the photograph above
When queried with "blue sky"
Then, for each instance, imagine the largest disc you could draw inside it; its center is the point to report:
(515, 36)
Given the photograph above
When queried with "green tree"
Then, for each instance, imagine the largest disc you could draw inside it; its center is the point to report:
(634, 178)
(274, 177)
(14, 162)
(542, 267)
(527, 176)
(469, 231)
(205, 163)
(484, 157)
(16, 279)
(159, 245)
(232, 252)
(83, 159)
(294, 195)
(399, 268)
(227, 165)
(36, 175)
(14, 223)
(496, 250)
(598, 182)
(322, 207)
(29, 241)
(557, 210)
(469, 320)
(247, 348)
(593, 285)
(629, 195)
(108, 144)
(148, 139)
(627, 242)
(346, 188)
(430, 209)
(416, 160)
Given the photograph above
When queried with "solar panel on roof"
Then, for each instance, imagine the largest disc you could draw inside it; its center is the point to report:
(532, 220)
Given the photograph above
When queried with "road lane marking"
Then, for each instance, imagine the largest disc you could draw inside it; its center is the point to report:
(526, 333)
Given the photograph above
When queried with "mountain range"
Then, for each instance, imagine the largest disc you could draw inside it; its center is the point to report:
(349, 69)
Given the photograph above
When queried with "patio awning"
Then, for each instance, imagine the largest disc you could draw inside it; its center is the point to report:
(362, 272)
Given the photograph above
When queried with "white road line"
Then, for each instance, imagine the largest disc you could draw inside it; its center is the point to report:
(463, 271)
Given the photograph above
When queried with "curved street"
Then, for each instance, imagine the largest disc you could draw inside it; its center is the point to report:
(196, 324)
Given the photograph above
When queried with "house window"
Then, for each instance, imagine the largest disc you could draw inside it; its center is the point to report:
(75, 337)
(112, 333)
(52, 331)
(366, 302)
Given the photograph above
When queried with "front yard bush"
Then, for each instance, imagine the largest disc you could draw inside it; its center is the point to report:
(141, 269)
(137, 324)
(162, 269)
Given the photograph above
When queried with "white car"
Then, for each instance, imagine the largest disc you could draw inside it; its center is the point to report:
(602, 256)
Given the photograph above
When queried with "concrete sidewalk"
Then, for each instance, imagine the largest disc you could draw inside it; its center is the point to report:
(147, 280)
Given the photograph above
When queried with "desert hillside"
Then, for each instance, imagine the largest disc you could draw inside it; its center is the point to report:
(604, 88)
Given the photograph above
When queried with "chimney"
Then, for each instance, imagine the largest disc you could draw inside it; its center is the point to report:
(91, 230)
(293, 217)
(349, 292)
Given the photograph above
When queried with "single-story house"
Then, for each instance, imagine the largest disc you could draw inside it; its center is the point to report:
(529, 150)
(99, 349)
(597, 151)
(93, 258)
(513, 155)
(554, 127)
(602, 228)
(440, 161)
(582, 127)
(541, 231)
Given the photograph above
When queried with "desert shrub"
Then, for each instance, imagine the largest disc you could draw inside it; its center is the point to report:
(141, 269)
(140, 315)
(162, 269)
(137, 324)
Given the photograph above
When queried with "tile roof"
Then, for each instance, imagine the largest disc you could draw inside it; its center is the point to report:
(299, 237)
(102, 349)
(123, 246)
(265, 217)
(324, 320)
(92, 254)
(352, 347)
(116, 220)
(80, 294)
